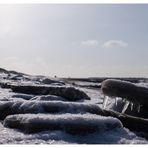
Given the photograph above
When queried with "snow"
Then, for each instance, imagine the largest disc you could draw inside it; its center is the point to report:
(116, 136)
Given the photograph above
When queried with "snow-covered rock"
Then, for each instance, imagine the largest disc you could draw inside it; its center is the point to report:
(23, 96)
(22, 107)
(126, 90)
(74, 124)
(51, 81)
(48, 98)
(70, 93)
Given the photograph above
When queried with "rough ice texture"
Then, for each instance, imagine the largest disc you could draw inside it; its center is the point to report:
(70, 93)
(115, 136)
(74, 124)
(12, 136)
(131, 110)
(21, 107)
(23, 96)
(51, 81)
(48, 98)
(134, 93)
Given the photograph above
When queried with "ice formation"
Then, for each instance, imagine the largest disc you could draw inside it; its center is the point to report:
(31, 107)
(126, 90)
(125, 106)
(105, 101)
(21, 107)
(132, 105)
(74, 124)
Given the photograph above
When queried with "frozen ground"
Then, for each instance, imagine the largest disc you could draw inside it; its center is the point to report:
(119, 135)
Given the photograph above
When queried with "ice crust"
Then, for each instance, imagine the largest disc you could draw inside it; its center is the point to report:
(69, 112)
(71, 123)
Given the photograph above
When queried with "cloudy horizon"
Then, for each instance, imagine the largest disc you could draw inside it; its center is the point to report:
(73, 40)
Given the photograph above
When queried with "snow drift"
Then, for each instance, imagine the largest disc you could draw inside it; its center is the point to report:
(73, 124)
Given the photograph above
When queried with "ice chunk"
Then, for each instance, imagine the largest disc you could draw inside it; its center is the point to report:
(131, 106)
(138, 108)
(125, 106)
(116, 100)
(105, 101)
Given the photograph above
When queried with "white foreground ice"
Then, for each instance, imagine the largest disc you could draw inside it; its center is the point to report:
(116, 136)
(113, 136)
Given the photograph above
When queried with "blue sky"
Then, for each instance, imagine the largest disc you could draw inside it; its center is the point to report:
(75, 40)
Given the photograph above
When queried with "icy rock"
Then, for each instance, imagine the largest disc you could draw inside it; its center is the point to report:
(129, 91)
(5, 85)
(132, 110)
(70, 93)
(50, 81)
(48, 98)
(23, 96)
(22, 107)
(73, 124)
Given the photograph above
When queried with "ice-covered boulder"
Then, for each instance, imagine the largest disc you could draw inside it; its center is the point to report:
(48, 98)
(22, 107)
(23, 96)
(73, 124)
(70, 93)
(131, 110)
(126, 90)
(51, 81)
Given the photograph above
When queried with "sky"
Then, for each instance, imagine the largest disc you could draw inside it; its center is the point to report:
(75, 40)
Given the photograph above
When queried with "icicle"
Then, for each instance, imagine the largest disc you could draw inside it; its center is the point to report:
(105, 101)
(125, 106)
(131, 106)
(116, 100)
(124, 100)
(138, 108)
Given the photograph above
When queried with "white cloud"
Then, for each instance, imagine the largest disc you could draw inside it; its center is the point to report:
(90, 43)
(115, 44)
